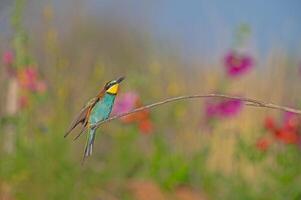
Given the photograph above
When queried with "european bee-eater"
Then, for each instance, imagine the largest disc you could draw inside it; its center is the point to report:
(96, 110)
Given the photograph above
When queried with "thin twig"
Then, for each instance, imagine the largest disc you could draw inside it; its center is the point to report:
(248, 102)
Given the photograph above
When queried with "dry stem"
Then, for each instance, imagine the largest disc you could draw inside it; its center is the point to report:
(248, 102)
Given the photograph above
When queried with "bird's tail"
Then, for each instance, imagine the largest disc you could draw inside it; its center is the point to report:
(89, 144)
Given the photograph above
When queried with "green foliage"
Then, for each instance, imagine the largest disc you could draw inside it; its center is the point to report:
(247, 150)
(284, 173)
(168, 168)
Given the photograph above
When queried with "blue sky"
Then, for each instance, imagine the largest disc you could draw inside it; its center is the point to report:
(203, 27)
(206, 26)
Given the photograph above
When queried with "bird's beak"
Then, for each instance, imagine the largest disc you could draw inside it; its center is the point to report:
(120, 79)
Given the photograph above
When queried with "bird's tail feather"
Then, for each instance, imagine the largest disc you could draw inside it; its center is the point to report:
(89, 144)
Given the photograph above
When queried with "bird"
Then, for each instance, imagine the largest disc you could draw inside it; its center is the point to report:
(95, 110)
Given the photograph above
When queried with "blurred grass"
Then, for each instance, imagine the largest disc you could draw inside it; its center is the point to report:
(223, 164)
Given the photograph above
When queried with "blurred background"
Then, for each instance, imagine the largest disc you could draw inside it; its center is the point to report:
(56, 55)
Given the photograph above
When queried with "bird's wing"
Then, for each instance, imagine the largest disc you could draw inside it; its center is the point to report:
(81, 117)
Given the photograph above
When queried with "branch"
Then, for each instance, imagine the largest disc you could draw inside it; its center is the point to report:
(248, 102)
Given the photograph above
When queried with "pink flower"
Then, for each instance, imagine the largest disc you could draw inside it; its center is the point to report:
(8, 61)
(211, 109)
(28, 79)
(223, 109)
(125, 102)
(291, 121)
(237, 64)
(8, 58)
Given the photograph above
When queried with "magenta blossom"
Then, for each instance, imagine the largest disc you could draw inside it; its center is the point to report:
(237, 64)
(223, 109)
(288, 116)
(229, 108)
(125, 102)
(211, 110)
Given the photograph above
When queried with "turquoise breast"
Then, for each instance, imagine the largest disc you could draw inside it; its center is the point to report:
(102, 109)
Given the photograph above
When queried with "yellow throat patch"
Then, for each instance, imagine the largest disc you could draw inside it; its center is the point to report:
(113, 89)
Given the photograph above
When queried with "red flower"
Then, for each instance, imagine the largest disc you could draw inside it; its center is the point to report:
(263, 144)
(142, 118)
(288, 131)
(237, 64)
(287, 137)
(145, 126)
(269, 124)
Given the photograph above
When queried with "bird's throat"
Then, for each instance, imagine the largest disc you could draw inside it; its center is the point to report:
(113, 89)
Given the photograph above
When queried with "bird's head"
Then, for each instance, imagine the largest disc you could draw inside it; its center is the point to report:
(111, 87)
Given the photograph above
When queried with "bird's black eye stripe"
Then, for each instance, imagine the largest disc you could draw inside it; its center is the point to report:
(108, 85)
